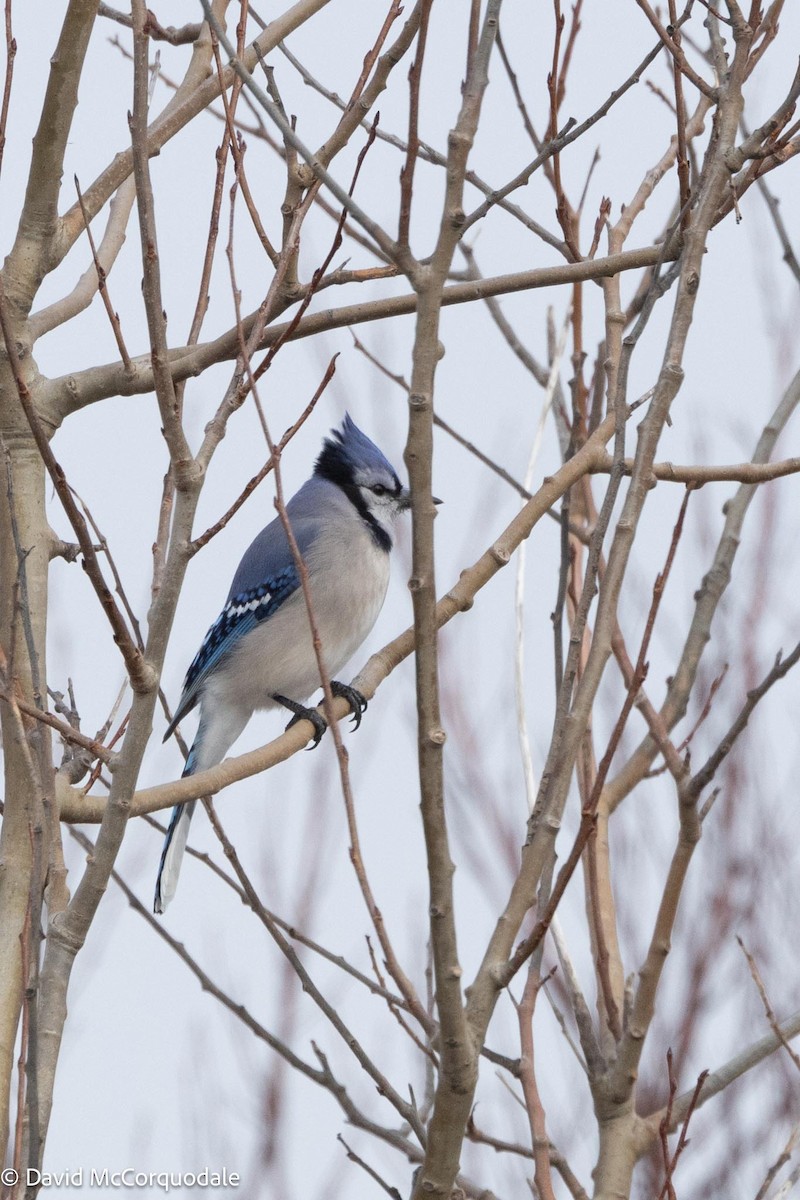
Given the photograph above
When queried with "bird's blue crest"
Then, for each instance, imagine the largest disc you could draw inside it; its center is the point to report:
(348, 450)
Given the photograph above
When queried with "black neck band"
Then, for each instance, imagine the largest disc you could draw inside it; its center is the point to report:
(355, 497)
(333, 466)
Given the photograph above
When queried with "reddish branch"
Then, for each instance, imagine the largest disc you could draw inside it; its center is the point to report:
(234, 142)
(103, 287)
(570, 133)
(61, 727)
(588, 814)
(198, 542)
(183, 465)
(671, 1160)
(675, 50)
(556, 84)
(530, 1089)
(371, 57)
(407, 173)
(709, 769)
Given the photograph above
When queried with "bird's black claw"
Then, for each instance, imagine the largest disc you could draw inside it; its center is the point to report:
(301, 713)
(357, 702)
(319, 723)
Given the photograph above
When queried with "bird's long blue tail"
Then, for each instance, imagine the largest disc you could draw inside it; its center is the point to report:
(174, 845)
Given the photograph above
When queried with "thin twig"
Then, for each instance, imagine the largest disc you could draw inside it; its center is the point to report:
(407, 172)
(67, 732)
(523, 736)
(772, 203)
(373, 1174)
(784, 1157)
(198, 542)
(671, 43)
(680, 114)
(235, 143)
(183, 464)
(768, 1009)
(522, 107)
(321, 174)
(570, 133)
(707, 772)
(103, 286)
(671, 1162)
(11, 51)
(533, 1102)
(102, 544)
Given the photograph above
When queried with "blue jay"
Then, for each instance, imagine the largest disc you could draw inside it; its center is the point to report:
(259, 654)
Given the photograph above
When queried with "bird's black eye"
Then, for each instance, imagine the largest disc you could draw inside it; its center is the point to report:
(378, 489)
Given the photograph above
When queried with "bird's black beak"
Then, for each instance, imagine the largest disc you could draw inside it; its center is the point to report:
(405, 500)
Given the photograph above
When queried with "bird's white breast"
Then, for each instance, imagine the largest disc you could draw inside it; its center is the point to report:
(348, 577)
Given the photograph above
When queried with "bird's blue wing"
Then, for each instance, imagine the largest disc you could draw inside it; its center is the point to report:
(241, 613)
(265, 578)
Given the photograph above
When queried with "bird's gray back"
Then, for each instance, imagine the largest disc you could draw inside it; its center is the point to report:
(270, 552)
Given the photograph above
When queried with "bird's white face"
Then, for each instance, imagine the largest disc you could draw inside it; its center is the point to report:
(383, 495)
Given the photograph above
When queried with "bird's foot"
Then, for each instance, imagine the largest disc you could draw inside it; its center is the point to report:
(301, 713)
(357, 702)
